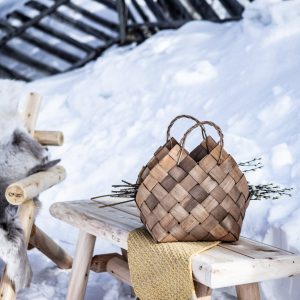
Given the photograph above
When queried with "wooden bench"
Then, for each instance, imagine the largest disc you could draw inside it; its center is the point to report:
(241, 264)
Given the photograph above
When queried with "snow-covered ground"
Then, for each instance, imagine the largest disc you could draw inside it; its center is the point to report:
(114, 112)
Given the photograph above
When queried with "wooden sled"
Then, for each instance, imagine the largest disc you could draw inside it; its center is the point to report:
(22, 192)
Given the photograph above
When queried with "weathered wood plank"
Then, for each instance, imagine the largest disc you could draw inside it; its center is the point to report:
(52, 32)
(156, 10)
(240, 269)
(28, 60)
(116, 233)
(140, 11)
(111, 215)
(108, 3)
(176, 9)
(98, 19)
(129, 207)
(52, 49)
(42, 44)
(84, 27)
(205, 10)
(255, 249)
(233, 7)
(18, 31)
(123, 19)
(12, 73)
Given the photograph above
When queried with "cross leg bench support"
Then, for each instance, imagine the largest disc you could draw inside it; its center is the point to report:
(41, 241)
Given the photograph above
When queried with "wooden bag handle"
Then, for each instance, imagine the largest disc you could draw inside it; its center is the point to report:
(202, 125)
(198, 123)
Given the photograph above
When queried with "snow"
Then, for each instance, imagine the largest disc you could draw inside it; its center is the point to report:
(114, 112)
(8, 6)
(281, 156)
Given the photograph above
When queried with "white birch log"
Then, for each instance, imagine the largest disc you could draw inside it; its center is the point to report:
(118, 267)
(30, 187)
(31, 111)
(7, 290)
(81, 266)
(41, 241)
(99, 262)
(49, 138)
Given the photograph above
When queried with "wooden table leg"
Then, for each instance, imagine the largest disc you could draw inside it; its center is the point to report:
(248, 291)
(203, 292)
(81, 266)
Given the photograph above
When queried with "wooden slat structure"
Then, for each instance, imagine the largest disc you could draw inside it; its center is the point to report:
(24, 191)
(242, 264)
(67, 34)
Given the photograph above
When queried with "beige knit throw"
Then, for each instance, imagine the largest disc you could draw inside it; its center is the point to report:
(162, 271)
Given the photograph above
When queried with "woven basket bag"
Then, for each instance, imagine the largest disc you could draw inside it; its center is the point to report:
(196, 196)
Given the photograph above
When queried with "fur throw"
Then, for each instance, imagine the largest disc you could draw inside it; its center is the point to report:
(20, 156)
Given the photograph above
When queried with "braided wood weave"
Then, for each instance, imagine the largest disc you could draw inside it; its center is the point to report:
(197, 196)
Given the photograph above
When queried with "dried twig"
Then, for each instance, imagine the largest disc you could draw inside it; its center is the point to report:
(251, 165)
(268, 191)
(126, 191)
(263, 191)
(271, 191)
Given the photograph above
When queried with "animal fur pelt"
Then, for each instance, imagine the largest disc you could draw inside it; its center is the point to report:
(20, 156)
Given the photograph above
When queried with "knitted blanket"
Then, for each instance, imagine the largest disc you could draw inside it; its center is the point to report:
(162, 271)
